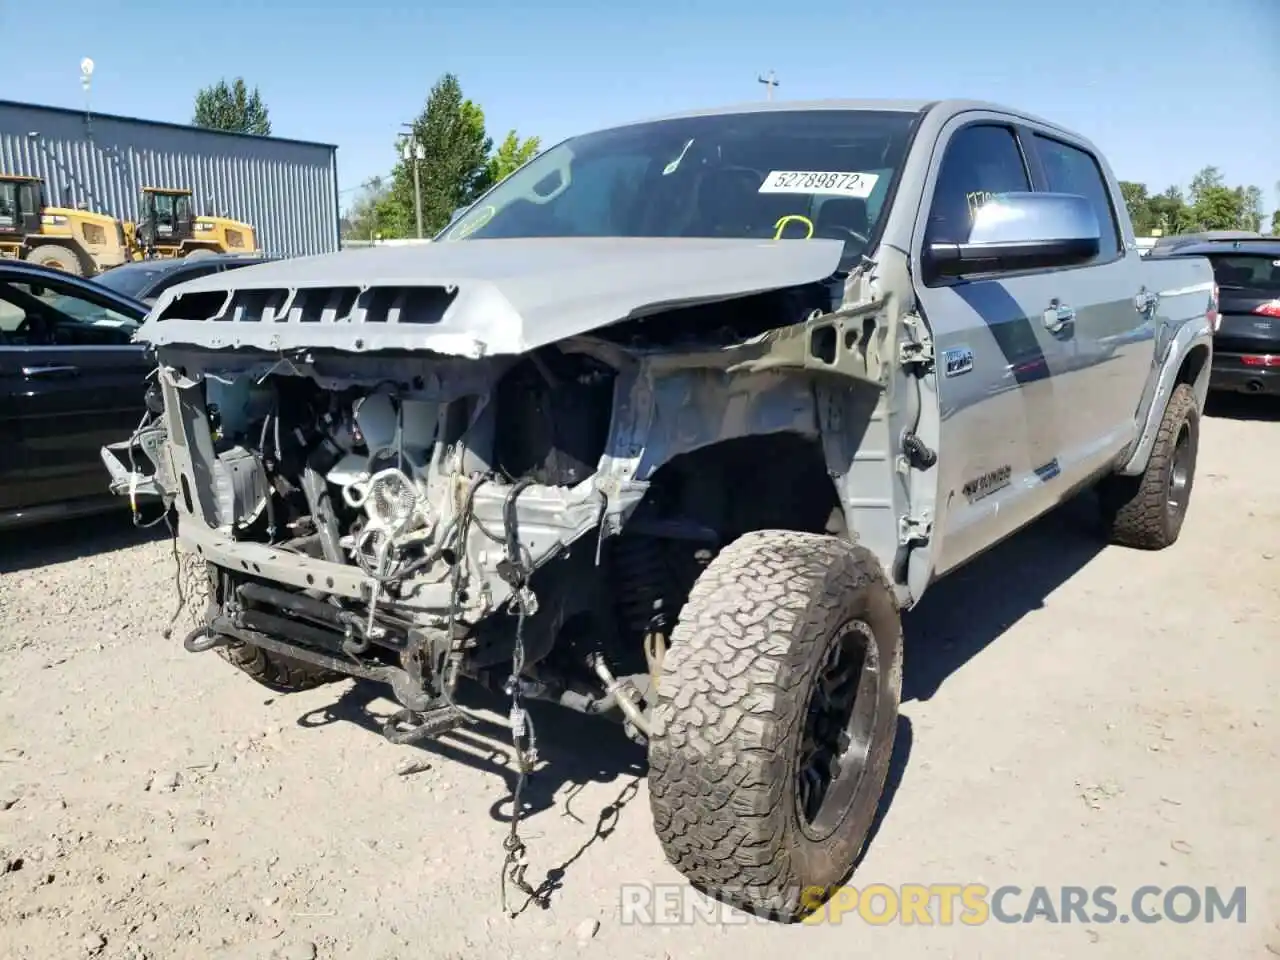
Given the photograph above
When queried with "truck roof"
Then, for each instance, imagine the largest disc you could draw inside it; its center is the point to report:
(947, 107)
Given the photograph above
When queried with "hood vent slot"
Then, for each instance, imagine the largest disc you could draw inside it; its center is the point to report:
(406, 304)
(195, 306)
(326, 305)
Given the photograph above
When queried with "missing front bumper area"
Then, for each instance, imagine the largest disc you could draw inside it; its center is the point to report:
(423, 717)
(409, 520)
(421, 666)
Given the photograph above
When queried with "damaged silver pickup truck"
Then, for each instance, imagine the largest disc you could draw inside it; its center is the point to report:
(668, 427)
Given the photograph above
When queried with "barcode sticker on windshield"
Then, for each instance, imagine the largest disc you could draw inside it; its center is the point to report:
(857, 185)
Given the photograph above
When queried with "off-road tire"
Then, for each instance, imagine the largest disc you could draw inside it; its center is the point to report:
(281, 674)
(1136, 511)
(199, 252)
(57, 256)
(731, 707)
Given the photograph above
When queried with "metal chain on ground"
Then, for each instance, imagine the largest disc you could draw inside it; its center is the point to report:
(523, 737)
(524, 741)
(191, 578)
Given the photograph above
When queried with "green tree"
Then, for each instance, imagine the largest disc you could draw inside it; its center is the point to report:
(361, 219)
(454, 165)
(1214, 205)
(232, 107)
(1138, 204)
(1170, 213)
(1251, 208)
(511, 155)
(1219, 208)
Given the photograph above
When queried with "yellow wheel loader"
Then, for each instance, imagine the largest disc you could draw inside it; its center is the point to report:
(168, 227)
(76, 241)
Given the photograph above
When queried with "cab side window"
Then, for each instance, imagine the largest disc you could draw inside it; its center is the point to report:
(1069, 169)
(980, 161)
(8, 205)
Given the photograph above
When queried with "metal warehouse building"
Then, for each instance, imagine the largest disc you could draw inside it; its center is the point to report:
(286, 189)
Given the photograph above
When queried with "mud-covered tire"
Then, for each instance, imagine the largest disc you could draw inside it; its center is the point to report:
(281, 674)
(732, 703)
(199, 253)
(58, 257)
(1147, 511)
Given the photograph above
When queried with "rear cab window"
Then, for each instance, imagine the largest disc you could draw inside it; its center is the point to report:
(1069, 169)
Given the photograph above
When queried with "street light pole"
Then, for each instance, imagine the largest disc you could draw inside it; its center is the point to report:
(86, 81)
(770, 81)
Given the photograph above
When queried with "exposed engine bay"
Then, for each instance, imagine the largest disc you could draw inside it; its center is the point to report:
(415, 519)
(409, 488)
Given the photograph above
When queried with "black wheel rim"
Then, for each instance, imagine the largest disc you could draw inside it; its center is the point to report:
(839, 723)
(1180, 473)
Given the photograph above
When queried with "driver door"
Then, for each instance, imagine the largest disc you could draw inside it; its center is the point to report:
(183, 218)
(999, 467)
(70, 382)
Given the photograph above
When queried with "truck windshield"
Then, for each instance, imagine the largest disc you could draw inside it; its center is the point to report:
(785, 174)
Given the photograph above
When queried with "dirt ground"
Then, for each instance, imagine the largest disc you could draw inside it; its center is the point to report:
(1072, 716)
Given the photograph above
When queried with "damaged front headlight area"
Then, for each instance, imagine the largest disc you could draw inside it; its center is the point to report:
(393, 516)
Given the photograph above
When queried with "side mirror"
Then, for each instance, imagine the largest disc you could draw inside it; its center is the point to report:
(1022, 231)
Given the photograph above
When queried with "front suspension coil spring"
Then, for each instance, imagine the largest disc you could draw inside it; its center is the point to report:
(644, 585)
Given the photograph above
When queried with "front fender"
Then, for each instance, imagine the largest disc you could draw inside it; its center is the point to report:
(1190, 336)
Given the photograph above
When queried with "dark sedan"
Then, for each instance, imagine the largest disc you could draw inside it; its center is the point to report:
(145, 280)
(71, 381)
(1246, 348)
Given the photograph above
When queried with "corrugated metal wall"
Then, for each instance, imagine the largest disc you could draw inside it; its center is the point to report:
(287, 189)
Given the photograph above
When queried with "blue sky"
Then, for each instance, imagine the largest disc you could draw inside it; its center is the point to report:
(1163, 86)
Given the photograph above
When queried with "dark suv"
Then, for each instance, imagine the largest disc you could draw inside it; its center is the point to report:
(1246, 348)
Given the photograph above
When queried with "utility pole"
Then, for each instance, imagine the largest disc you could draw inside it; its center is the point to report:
(770, 80)
(413, 153)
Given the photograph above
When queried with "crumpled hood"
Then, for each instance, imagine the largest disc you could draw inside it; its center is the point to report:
(473, 297)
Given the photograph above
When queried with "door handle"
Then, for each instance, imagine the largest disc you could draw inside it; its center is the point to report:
(1058, 316)
(1145, 301)
(55, 370)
